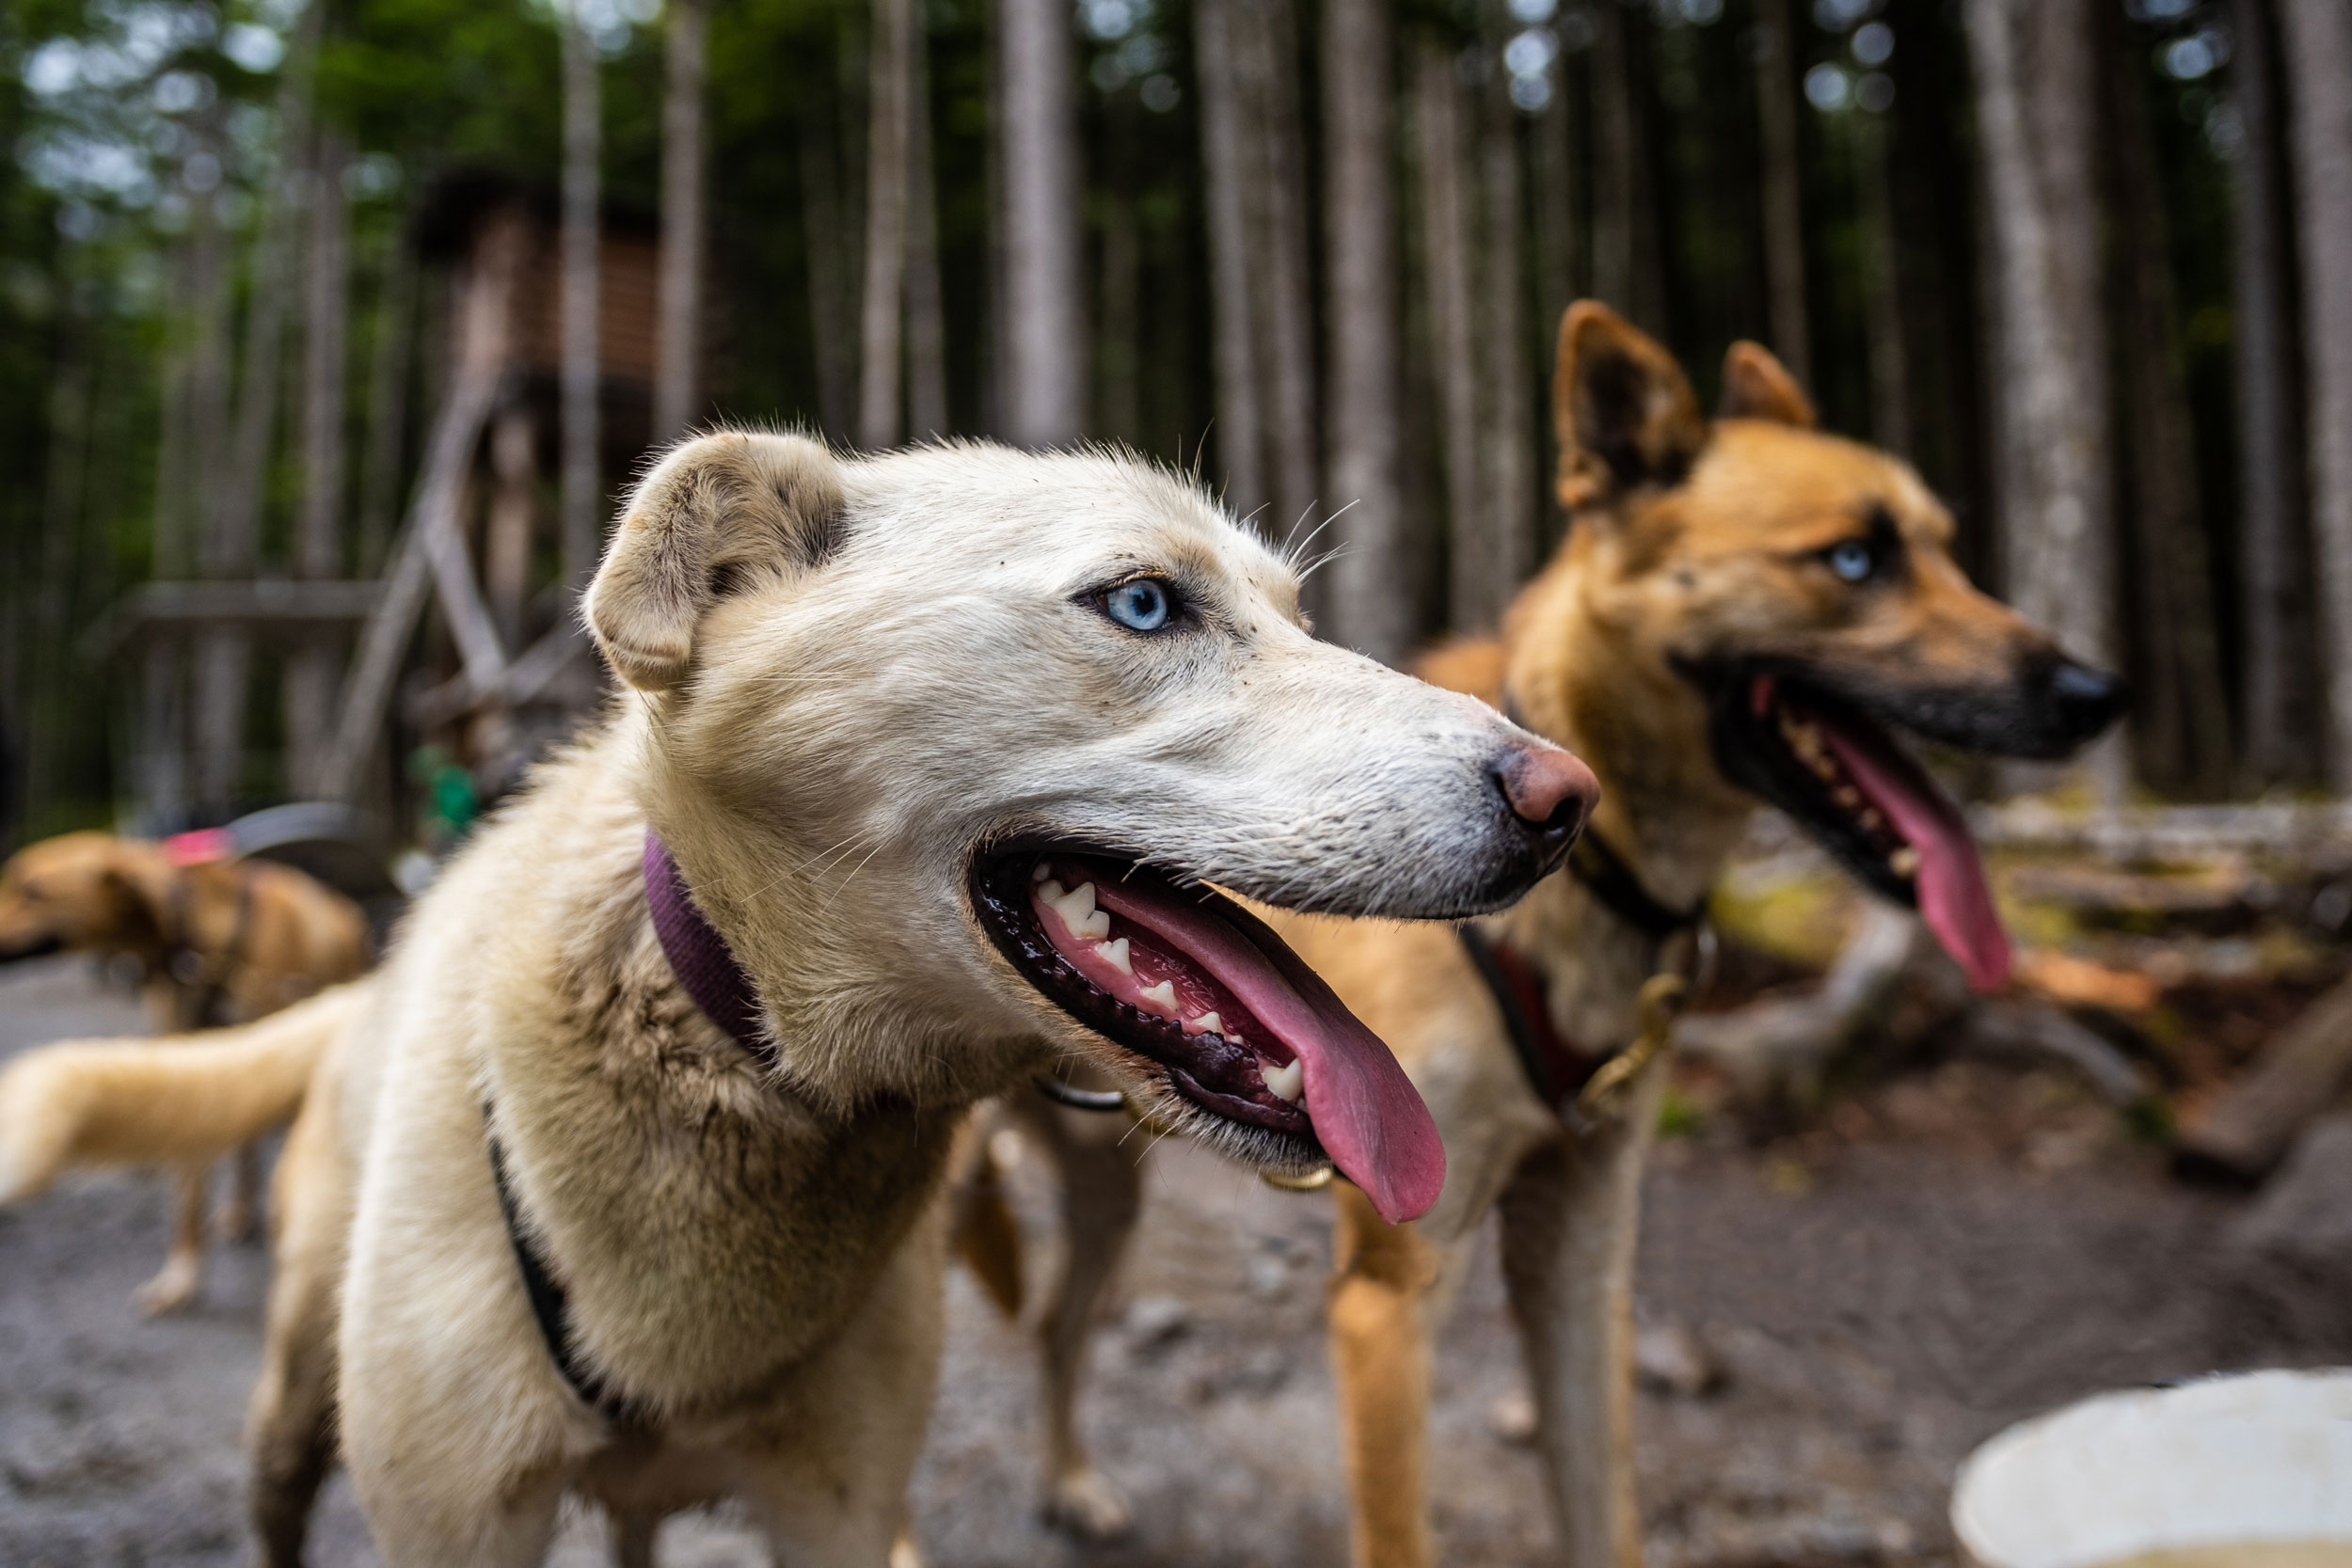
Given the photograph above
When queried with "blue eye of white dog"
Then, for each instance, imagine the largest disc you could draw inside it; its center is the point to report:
(1850, 559)
(1142, 605)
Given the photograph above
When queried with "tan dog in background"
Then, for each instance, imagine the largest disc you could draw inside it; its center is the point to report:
(1738, 609)
(941, 748)
(1742, 610)
(220, 941)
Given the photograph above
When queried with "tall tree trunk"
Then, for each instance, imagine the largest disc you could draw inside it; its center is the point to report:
(1557, 175)
(1649, 299)
(1890, 370)
(1370, 603)
(676, 392)
(1784, 188)
(2319, 38)
(232, 532)
(1224, 128)
(387, 400)
(312, 668)
(831, 301)
(1927, 164)
(1471, 573)
(156, 785)
(2036, 92)
(1276, 201)
(581, 370)
(1628, 255)
(2185, 725)
(1506, 376)
(890, 89)
(1118, 346)
(72, 393)
(1044, 376)
(187, 485)
(927, 320)
(1613, 173)
(2280, 716)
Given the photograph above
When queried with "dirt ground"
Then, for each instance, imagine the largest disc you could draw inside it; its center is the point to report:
(1933, 1257)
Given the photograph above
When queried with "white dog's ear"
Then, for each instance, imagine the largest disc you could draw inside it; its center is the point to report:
(714, 511)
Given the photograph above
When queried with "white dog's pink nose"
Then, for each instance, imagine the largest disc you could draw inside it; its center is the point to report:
(1549, 789)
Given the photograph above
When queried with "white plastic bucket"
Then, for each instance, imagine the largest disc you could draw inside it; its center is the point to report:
(2254, 1468)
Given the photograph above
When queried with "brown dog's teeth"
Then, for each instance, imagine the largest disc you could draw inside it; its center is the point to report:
(1904, 861)
(1846, 796)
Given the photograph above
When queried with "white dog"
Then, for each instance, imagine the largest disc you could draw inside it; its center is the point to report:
(618, 1180)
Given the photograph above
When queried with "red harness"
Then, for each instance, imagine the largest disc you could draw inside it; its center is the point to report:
(1557, 1067)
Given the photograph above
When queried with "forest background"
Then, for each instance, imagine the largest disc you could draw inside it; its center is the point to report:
(2060, 253)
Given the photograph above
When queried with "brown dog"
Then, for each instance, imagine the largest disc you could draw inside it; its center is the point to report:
(1740, 607)
(221, 941)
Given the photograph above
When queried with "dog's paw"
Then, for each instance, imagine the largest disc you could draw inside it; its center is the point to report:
(1089, 1506)
(172, 1290)
(904, 1553)
(1511, 1417)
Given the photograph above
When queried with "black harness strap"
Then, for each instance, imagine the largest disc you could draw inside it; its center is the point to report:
(1529, 1029)
(708, 973)
(547, 1300)
(206, 980)
(1557, 1068)
(1605, 874)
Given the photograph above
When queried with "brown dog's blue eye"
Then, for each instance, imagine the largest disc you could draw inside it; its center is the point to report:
(1139, 606)
(1850, 559)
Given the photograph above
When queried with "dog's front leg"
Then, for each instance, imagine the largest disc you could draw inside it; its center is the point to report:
(1101, 1183)
(826, 1468)
(176, 1283)
(241, 1221)
(290, 1420)
(1390, 1290)
(1569, 1220)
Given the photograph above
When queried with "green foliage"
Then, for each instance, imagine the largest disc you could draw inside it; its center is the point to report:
(437, 81)
(110, 135)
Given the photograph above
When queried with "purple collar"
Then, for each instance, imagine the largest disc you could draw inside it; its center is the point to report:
(705, 966)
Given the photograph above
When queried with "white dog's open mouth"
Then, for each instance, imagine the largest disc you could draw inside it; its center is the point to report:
(1219, 1009)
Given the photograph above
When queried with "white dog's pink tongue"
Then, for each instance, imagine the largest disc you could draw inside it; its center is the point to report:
(1954, 897)
(1366, 1113)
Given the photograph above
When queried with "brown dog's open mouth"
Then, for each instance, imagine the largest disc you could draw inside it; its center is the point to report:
(1840, 774)
(1218, 1007)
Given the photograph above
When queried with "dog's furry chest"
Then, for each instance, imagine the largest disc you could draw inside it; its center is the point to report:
(711, 1228)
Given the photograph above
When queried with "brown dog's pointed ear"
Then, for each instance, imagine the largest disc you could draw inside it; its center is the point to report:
(1625, 411)
(1758, 385)
(714, 511)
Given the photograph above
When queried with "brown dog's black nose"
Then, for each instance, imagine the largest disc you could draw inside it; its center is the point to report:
(2084, 700)
(1547, 789)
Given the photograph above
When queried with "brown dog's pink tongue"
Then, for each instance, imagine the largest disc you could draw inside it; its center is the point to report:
(1366, 1113)
(1954, 897)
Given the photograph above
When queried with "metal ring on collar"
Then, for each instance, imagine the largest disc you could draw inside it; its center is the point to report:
(1077, 1099)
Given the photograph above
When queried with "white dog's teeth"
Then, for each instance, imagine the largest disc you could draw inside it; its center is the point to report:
(1904, 861)
(1079, 916)
(1207, 1024)
(1050, 891)
(1115, 954)
(1039, 872)
(1287, 1082)
(1162, 997)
